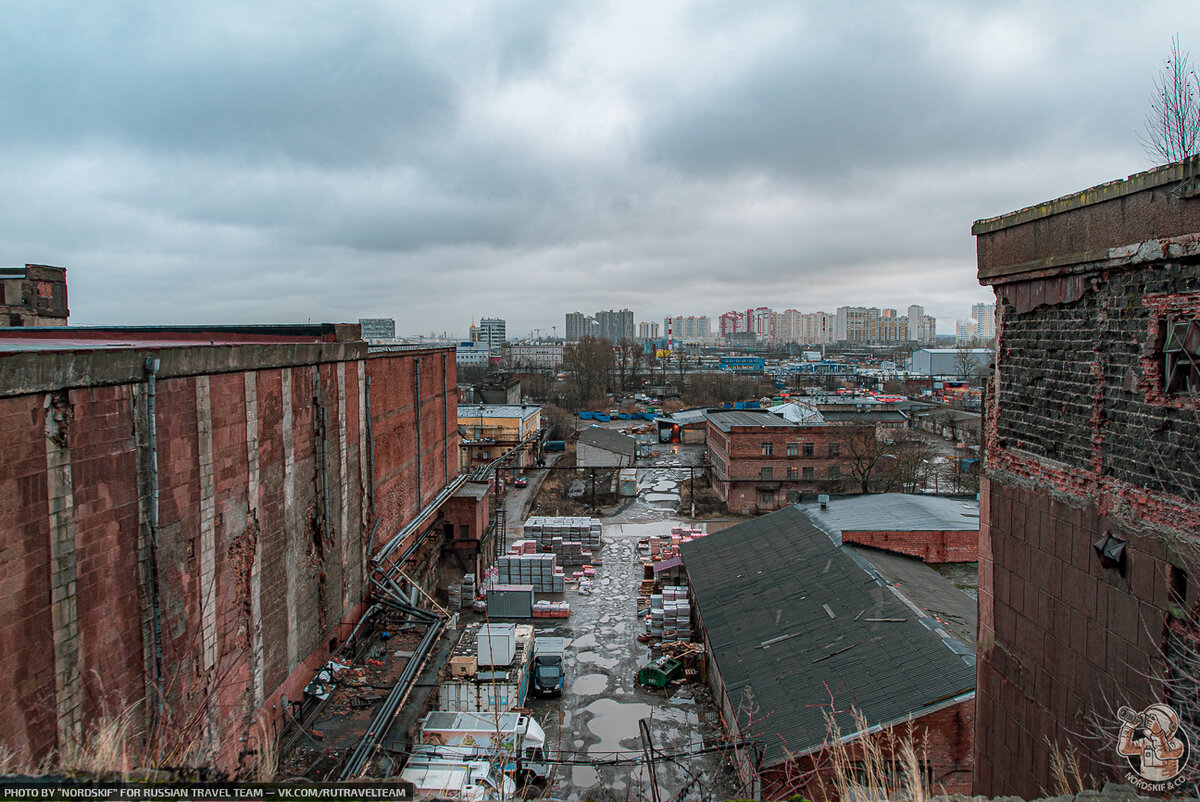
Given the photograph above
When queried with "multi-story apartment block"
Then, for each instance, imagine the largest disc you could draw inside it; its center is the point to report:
(984, 316)
(688, 328)
(577, 326)
(538, 356)
(862, 324)
(647, 331)
(492, 333)
(615, 325)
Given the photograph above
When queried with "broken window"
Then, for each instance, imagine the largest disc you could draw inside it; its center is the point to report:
(1181, 357)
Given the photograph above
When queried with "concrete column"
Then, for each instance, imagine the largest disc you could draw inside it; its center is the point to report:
(294, 548)
(257, 679)
(208, 525)
(63, 610)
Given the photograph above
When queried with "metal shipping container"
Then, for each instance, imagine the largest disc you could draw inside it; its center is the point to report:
(510, 601)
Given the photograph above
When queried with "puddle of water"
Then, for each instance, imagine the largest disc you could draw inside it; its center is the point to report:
(613, 723)
(593, 657)
(589, 684)
(586, 642)
(584, 777)
(658, 498)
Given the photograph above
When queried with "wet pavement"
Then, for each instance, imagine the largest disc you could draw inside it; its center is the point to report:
(602, 703)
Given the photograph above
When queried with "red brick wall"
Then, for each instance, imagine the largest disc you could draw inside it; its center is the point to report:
(27, 696)
(286, 562)
(935, 546)
(738, 453)
(945, 741)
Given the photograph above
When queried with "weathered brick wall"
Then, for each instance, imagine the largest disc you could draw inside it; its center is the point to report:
(940, 546)
(945, 743)
(261, 537)
(1081, 442)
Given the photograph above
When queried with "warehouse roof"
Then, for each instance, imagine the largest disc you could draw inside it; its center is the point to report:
(725, 420)
(801, 627)
(865, 416)
(608, 440)
(894, 512)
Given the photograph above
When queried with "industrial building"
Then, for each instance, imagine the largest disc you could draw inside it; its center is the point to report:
(490, 431)
(1088, 544)
(953, 363)
(603, 448)
(192, 517)
(800, 629)
(760, 461)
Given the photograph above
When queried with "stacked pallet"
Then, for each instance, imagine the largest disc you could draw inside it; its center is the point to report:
(570, 552)
(543, 529)
(468, 588)
(539, 570)
(551, 609)
(677, 613)
(524, 547)
(455, 594)
(654, 620)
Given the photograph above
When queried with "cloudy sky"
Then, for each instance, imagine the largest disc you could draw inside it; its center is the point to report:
(194, 162)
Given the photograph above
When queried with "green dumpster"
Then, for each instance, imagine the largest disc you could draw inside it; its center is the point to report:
(660, 672)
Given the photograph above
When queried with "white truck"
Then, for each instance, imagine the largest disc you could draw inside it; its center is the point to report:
(436, 777)
(514, 740)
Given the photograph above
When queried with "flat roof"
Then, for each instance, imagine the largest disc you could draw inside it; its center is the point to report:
(522, 411)
(115, 338)
(726, 419)
(894, 512)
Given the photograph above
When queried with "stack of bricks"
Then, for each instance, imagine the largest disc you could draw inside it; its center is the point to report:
(545, 528)
(677, 613)
(539, 570)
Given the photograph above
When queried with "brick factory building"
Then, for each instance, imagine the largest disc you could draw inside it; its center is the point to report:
(33, 295)
(762, 462)
(1090, 509)
(799, 628)
(188, 510)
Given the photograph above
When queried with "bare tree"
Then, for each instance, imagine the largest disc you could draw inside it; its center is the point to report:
(1173, 122)
(588, 363)
(861, 450)
(629, 355)
(965, 365)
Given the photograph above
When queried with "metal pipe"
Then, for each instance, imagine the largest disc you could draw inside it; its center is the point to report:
(152, 364)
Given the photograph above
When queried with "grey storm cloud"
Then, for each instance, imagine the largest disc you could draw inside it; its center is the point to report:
(230, 162)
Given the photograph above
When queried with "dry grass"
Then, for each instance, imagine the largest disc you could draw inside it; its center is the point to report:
(1064, 768)
(880, 765)
(266, 759)
(105, 749)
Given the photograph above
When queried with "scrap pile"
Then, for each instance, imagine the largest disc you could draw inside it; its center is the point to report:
(691, 655)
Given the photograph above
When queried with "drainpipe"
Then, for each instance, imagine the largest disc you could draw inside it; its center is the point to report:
(370, 454)
(417, 371)
(152, 365)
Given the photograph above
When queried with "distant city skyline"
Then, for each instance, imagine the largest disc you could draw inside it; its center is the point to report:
(289, 162)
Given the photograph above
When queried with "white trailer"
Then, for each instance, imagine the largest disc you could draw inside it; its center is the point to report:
(516, 740)
(491, 689)
(470, 780)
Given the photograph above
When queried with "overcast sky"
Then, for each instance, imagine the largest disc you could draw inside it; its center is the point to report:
(209, 162)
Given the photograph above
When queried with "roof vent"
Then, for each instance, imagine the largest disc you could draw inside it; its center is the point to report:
(823, 500)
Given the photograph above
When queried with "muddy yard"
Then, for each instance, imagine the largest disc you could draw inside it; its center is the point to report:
(594, 726)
